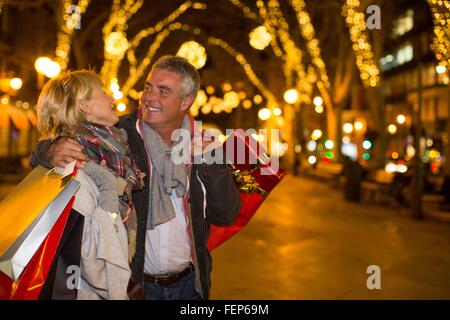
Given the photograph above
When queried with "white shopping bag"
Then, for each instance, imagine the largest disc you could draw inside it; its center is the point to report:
(28, 214)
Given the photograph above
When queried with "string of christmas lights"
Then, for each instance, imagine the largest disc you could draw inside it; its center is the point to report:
(312, 43)
(114, 36)
(161, 36)
(441, 41)
(294, 55)
(261, 19)
(355, 20)
(71, 21)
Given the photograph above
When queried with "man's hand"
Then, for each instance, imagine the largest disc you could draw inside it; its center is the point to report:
(64, 151)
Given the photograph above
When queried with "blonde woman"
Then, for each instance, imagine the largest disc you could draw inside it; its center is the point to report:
(76, 106)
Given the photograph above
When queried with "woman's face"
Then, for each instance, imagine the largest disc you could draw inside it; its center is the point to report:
(100, 109)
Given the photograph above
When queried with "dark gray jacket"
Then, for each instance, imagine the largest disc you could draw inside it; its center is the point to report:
(222, 198)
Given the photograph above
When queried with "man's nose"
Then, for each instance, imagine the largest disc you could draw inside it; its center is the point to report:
(149, 95)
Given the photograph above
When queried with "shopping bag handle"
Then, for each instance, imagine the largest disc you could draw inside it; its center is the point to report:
(69, 169)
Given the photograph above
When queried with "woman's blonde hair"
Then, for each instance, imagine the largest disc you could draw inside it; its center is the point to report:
(58, 107)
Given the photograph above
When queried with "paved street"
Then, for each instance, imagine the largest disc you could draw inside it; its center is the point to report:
(307, 243)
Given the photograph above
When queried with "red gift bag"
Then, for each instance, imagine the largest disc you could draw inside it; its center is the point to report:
(31, 281)
(255, 176)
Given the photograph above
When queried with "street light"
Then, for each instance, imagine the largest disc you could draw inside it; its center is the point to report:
(316, 134)
(358, 125)
(41, 64)
(318, 101)
(401, 119)
(348, 128)
(319, 109)
(118, 95)
(47, 67)
(276, 112)
(53, 70)
(113, 87)
(15, 83)
(329, 144)
(291, 96)
(440, 69)
(264, 114)
(121, 107)
(392, 129)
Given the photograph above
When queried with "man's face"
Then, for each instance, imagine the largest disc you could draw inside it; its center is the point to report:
(162, 102)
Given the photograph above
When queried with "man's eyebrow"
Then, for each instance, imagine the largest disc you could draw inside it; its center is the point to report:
(147, 83)
(164, 87)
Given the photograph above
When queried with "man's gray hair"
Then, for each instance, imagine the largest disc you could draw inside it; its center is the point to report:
(190, 79)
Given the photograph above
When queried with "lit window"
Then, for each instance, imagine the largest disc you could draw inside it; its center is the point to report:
(403, 24)
(402, 56)
(405, 54)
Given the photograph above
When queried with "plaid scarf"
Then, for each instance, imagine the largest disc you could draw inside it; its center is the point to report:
(110, 144)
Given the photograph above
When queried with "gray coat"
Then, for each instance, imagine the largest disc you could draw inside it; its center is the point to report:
(105, 270)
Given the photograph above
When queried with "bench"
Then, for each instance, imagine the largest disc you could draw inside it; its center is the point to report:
(332, 171)
(378, 186)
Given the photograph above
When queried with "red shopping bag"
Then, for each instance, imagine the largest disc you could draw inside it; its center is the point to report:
(256, 177)
(31, 281)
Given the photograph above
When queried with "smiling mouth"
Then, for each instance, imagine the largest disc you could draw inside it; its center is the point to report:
(149, 108)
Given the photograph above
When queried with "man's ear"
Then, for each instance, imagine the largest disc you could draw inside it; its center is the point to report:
(186, 103)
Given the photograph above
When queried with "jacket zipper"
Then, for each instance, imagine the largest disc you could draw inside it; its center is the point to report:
(187, 209)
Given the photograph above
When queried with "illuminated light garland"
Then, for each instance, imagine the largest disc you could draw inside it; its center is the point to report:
(246, 10)
(137, 73)
(309, 34)
(119, 19)
(64, 37)
(251, 15)
(114, 36)
(193, 52)
(355, 20)
(260, 38)
(441, 41)
(277, 26)
(134, 43)
(239, 57)
(294, 54)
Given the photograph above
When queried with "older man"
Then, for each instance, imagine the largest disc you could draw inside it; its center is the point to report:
(180, 201)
